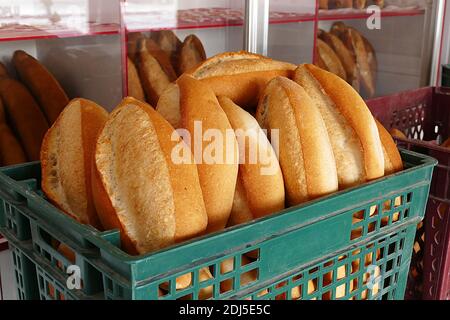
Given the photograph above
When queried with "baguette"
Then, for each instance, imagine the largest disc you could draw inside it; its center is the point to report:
(66, 158)
(169, 43)
(25, 116)
(371, 59)
(394, 132)
(343, 3)
(155, 70)
(240, 76)
(134, 38)
(352, 129)
(392, 159)
(197, 104)
(134, 83)
(359, 4)
(260, 186)
(345, 56)
(191, 55)
(379, 3)
(45, 88)
(323, 4)
(330, 60)
(133, 152)
(3, 71)
(305, 153)
(11, 151)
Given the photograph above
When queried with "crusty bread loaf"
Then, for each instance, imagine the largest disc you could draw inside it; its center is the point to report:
(134, 83)
(343, 3)
(352, 130)
(240, 76)
(169, 43)
(191, 54)
(197, 105)
(392, 159)
(371, 59)
(66, 159)
(3, 71)
(155, 70)
(359, 4)
(137, 186)
(260, 186)
(346, 57)
(323, 4)
(134, 39)
(11, 152)
(397, 133)
(24, 115)
(45, 88)
(305, 153)
(330, 60)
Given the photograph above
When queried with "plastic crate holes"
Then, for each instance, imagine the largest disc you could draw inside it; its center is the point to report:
(345, 277)
(410, 121)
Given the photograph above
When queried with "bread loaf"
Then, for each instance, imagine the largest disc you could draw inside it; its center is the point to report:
(24, 115)
(155, 70)
(345, 56)
(240, 76)
(134, 83)
(190, 104)
(191, 55)
(305, 152)
(3, 71)
(351, 127)
(397, 133)
(169, 43)
(260, 186)
(134, 38)
(45, 88)
(136, 185)
(11, 151)
(329, 60)
(392, 159)
(343, 3)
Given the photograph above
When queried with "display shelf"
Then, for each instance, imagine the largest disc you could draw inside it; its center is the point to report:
(353, 14)
(14, 31)
(201, 18)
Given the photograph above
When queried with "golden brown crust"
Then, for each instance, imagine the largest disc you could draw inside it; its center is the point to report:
(66, 157)
(353, 108)
(345, 56)
(191, 55)
(359, 4)
(260, 180)
(174, 198)
(392, 159)
(330, 59)
(343, 3)
(397, 133)
(240, 76)
(11, 151)
(323, 4)
(134, 83)
(3, 71)
(42, 84)
(169, 43)
(155, 70)
(305, 155)
(132, 46)
(25, 116)
(218, 181)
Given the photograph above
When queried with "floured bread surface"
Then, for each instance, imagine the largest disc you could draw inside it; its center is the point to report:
(347, 149)
(63, 164)
(136, 178)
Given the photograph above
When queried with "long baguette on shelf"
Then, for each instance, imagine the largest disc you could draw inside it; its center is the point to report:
(240, 76)
(191, 54)
(346, 57)
(3, 71)
(137, 187)
(329, 60)
(24, 115)
(155, 70)
(66, 157)
(42, 84)
(169, 43)
(11, 152)
(134, 83)
(194, 103)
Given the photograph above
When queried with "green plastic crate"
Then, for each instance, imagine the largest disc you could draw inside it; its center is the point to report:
(309, 251)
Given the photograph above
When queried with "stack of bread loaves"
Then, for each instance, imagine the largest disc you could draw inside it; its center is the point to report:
(347, 53)
(201, 161)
